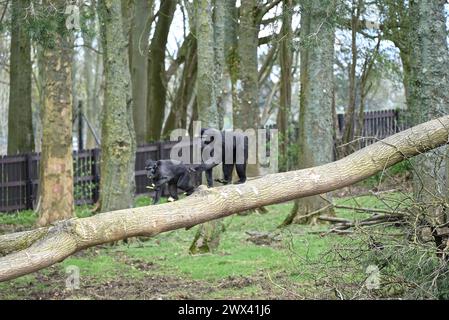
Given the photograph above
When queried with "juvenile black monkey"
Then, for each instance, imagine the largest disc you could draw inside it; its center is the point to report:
(234, 152)
(175, 174)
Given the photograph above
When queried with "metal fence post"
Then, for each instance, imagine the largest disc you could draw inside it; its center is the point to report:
(161, 150)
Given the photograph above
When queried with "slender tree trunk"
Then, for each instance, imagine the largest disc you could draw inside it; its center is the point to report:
(178, 113)
(76, 110)
(92, 69)
(246, 111)
(207, 237)
(206, 86)
(398, 13)
(20, 126)
(157, 90)
(348, 132)
(139, 43)
(95, 115)
(315, 118)
(118, 137)
(230, 75)
(285, 58)
(219, 16)
(429, 98)
(89, 66)
(39, 101)
(194, 116)
(246, 107)
(365, 87)
(56, 164)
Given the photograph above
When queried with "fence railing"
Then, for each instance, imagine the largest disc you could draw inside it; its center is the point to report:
(377, 125)
(19, 174)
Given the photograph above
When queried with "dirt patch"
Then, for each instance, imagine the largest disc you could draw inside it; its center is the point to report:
(51, 286)
(237, 282)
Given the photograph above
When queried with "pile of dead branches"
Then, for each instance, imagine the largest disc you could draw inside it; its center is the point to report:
(380, 216)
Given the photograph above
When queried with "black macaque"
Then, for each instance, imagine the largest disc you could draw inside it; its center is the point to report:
(173, 173)
(234, 152)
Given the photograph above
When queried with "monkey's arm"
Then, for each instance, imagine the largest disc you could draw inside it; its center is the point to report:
(160, 182)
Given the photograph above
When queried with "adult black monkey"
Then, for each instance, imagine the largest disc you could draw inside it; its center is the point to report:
(234, 152)
(175, 174)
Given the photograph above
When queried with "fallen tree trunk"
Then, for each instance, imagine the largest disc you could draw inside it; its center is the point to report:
(50, 245)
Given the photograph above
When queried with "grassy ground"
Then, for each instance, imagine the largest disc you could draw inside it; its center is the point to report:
(296, 262)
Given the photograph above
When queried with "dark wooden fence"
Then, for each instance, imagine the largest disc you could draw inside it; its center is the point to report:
(19, 174)
(377, 125)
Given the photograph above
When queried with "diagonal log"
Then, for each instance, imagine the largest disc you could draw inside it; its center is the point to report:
(70, 236)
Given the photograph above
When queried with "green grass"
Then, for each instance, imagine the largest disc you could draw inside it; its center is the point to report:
(400, 168)
(27, 218)
(21, 218)
(293, 259)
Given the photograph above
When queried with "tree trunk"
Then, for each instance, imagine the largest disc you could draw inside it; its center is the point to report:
(95, 115)
(118, 140)
(206, 86)
(230, 74)
(178, 113)
(315, 117)
(219, 16)
(246, 110)
(348, 131)
(93, 75)
(157, 90)
(365, 87)
(207, 237)
(139, 43)
(38, 101)
(89, 104)
(33, 250)
(246, 114)
(429, 98)
(56, 164)
(285, 58)
(20, 126)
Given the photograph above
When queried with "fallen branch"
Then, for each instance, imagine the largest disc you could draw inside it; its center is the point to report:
(344, 224)
(69, 236)
(369, 210)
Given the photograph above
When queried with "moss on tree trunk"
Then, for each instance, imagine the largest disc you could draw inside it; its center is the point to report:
(20, 127)
(118, 138)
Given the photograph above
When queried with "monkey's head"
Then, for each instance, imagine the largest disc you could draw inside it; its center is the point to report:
(151, 168)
